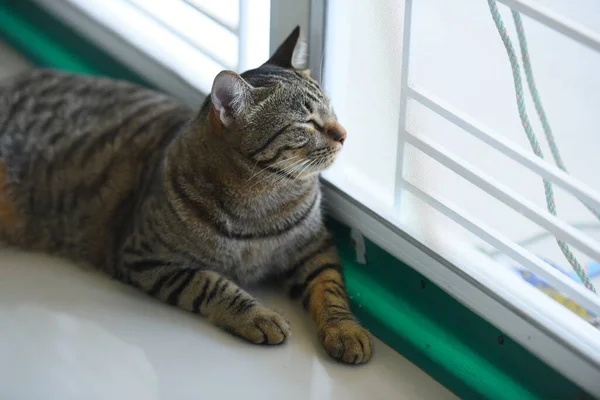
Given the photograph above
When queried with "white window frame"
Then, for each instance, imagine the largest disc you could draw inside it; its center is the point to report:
(562, 340)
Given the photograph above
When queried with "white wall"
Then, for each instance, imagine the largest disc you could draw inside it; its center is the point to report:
(456, 54)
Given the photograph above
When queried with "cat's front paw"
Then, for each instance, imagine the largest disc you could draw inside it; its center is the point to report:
(263, 326)
(347, 341)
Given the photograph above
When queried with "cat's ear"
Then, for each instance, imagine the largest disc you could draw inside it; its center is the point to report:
(230, 95)
(292, 53)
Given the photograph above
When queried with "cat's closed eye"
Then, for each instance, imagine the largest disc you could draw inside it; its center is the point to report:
(316, 125)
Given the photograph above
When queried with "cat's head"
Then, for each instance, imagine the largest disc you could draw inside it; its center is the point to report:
(277, 115)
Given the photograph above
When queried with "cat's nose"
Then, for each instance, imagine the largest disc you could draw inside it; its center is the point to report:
(336, 131)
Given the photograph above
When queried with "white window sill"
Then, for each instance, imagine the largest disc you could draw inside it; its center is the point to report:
(72, 333)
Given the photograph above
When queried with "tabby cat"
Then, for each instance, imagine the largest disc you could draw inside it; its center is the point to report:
(184, 205)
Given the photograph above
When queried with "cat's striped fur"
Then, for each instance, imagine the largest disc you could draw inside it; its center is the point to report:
(184, 205)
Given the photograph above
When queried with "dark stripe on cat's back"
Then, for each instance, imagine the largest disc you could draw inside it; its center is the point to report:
(14, 110)
(89, 146)
(89, 188)
(105, 140)
(53, 84)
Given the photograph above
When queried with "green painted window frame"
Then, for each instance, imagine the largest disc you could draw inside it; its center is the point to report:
(462, 351)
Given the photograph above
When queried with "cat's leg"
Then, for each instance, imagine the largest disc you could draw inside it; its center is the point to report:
(211, 295)
(317, 280)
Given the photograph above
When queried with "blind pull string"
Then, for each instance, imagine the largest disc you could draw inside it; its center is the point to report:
(518, 85)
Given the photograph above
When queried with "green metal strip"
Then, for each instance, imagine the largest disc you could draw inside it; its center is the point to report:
(459, 349)
(462, 351)
(50, 44)
(471, 370)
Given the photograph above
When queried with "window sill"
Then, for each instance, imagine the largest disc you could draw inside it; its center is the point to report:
(85, 325)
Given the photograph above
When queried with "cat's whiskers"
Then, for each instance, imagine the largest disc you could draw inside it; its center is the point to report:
(295, 163)
(267, 167)
(321, 162)
(306, 165)
(289, 174)
(253, 168)
(306, 168)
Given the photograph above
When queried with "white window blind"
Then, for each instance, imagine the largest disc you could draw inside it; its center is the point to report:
(436, 145)
(195, 39)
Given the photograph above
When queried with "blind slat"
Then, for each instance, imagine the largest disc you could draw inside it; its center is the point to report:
(225, 12)
(153, 39)
(194, 26)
